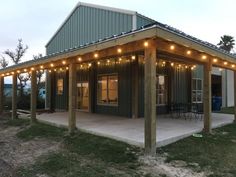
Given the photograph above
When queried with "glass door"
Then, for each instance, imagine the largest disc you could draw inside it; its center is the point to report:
(83, 96)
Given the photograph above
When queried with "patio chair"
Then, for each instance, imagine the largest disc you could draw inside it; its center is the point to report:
(197, 110)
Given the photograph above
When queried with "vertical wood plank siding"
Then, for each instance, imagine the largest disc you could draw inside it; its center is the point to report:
(88, 24)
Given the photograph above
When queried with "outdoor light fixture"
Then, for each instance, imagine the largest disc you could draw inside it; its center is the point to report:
(145, 44)
(12, 72)
(67, 68)
(189, 52)
(89, 64)
(3, 74)
(32, 69)
(119, 50)
(225, 63)
(25, 70)
(108, 61)
(95, 55)
(52, 65)
(120, 59)
(172, 47)
(172, 64)
(98, 62)
(133, 57)
(7, 74)
(204, 57)
(63, 62)
(233, 65)
(215, 60)
(18, 71)
(79, 59)
(220, 69)
(49, 71)
(55, 69)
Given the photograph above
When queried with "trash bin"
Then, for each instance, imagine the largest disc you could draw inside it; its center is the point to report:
(216, 103)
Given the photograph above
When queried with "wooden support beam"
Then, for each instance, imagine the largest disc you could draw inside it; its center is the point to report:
(234, 96)
(207, 97)
(48, 86)
(72, 97)
(135, 86)
(14, 96)
(1, 95)
(150, 98)
(33, 102)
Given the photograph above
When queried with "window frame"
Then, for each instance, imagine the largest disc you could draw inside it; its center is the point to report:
(165, 90)
(196, 90)
(62, 91)
(107, 88)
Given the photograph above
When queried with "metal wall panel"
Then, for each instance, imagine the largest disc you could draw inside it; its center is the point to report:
(142, 21)
(88, 24)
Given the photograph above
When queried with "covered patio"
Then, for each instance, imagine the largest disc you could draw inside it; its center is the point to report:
(131, 131)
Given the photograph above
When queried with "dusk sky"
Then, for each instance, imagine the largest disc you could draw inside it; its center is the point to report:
(36, 21)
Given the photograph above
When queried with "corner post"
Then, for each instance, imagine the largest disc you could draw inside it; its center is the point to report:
(72, 96)
(33, 98)
(150, 98)
(14, 96)
(1, 95)
(207, 97)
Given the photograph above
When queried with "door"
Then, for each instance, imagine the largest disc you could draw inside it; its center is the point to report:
(83, 96)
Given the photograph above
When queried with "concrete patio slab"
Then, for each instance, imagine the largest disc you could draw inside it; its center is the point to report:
(131, 131)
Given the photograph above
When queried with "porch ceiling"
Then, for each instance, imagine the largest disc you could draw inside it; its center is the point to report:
(167, 40)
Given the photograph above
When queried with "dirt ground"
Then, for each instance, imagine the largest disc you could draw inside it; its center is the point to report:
(15, 153)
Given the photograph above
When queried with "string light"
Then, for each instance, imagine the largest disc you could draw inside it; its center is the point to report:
(49, 71)
(172, 47)
(3, 74)
(119, 50)
(120, 59)
(55, 69)
(225, 63)
(145, 44)
(89, 65)
(18, 71)
(215, 60)
(232, 65)
(41, 66)
(32, 69)
(98, 63)
(12, 73)
(52, 65)
(67, 68)
(204, 57)
(79, 59)
(189, 52)
(172, 64)
(133, 57)
(63, 62)
(25, 70)
(95, 55)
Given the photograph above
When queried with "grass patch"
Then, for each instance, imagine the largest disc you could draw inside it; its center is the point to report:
(40, 130)
(227, 110)
(82, 155)
(103, 148)
(215, 152)
(18, 122)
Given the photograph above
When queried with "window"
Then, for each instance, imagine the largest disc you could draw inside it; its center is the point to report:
(161, 90)
(60, 87)
(197, 90)
(107, 89)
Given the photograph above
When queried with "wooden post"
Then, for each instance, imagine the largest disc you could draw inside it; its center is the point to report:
(1, 95)
(48, 85)
(207, 97)
(235, 96)
(150, 98)
(14, 96)
(33, 103)
(72, 97)
(135, 88)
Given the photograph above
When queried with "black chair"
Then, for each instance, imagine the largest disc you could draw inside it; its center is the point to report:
(197, 110)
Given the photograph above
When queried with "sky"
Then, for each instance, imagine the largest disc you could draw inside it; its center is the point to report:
(36, 21)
